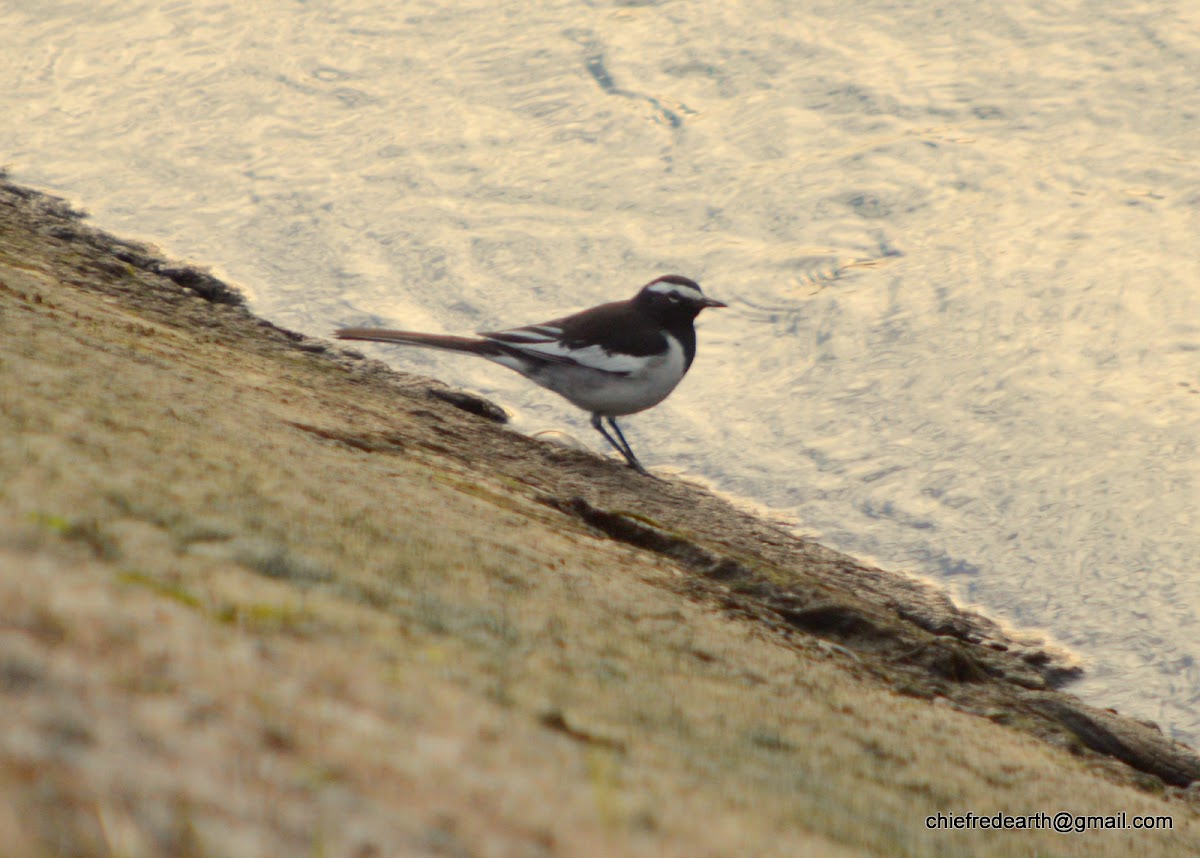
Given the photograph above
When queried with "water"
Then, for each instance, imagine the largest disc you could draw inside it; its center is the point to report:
(959, 242)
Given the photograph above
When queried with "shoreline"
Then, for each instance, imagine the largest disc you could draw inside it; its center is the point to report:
(237, 539)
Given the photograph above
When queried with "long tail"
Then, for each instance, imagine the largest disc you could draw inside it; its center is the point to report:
(470, 345)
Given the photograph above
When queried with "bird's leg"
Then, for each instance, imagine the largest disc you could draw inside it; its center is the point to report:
(633, 460)
(623, 448)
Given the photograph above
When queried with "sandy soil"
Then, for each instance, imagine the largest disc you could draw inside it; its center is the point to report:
(262, 596)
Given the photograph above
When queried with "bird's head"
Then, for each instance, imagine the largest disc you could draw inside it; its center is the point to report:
(674, 297)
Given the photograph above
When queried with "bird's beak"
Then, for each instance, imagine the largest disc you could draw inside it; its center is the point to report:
(714, 303)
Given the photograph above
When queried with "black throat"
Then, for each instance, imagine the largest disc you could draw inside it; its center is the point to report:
(684, 331)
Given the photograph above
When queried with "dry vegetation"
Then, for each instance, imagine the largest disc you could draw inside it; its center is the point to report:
(263, 597)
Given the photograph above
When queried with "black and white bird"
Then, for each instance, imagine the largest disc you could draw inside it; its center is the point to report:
(612, 360)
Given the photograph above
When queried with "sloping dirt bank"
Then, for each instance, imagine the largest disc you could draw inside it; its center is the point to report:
(261, 596)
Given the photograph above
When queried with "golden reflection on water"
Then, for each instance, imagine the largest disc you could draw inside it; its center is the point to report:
(958, 242)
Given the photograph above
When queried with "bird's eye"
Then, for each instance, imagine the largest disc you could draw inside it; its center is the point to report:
(673, 298)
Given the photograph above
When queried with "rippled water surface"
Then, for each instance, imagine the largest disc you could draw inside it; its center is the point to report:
(959, 242)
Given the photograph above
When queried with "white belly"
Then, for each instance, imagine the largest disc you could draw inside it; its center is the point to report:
(613, 395)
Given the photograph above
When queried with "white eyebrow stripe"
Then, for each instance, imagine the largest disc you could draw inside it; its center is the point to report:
(686, 292)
